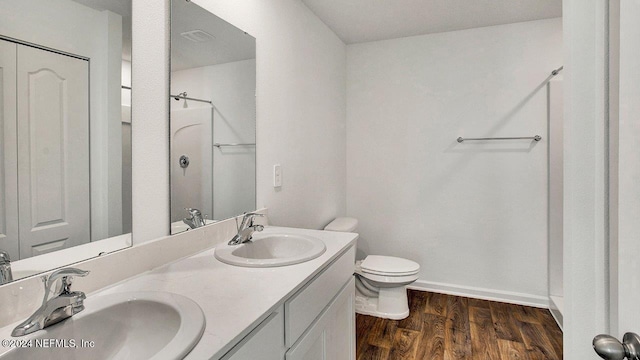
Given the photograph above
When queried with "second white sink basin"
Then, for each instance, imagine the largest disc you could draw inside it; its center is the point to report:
(270, 250)
(138, 325)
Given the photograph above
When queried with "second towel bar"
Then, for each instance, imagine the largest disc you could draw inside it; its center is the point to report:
(536, 138)
(235, 144)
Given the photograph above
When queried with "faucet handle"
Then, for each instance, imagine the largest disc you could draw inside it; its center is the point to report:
(252, 215)
(5, 268)
(66, 274)
(196, 215)
(192, 210)
(249, 217)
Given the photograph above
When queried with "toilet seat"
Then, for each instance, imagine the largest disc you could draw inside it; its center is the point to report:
(388, 266)
(387, 271)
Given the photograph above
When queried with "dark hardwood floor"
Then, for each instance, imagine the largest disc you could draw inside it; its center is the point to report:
(450, 328)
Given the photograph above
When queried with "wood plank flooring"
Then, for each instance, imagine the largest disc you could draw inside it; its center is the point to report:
(445, 327)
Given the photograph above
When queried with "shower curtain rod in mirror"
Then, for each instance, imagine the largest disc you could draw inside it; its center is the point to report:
(178, 96)
(557, 71)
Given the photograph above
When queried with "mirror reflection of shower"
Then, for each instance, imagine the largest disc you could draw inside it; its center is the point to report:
(214, 62)
(191, 138)
(183, 96)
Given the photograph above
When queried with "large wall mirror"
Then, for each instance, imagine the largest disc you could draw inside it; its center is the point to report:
(65, 132)
(212, 118)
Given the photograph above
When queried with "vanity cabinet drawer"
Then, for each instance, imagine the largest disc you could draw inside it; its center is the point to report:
(305, 306)
(266, 341)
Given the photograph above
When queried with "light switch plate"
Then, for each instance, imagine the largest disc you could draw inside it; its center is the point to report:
(277, 176)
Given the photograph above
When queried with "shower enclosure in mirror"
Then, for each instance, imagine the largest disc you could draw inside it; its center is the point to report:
(65, 132)
(212, 119)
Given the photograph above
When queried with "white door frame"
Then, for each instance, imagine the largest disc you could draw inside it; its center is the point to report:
(625, 245)
(586, 175)
(602, 171)
(8, 151)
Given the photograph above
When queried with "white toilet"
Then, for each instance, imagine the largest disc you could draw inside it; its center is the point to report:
(380, 280)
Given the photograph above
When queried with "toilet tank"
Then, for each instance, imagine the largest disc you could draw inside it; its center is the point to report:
(344, 224)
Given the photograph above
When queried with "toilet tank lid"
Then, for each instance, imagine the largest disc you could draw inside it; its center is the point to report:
(345, 224)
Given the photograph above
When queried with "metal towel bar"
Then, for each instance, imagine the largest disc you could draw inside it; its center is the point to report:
(536, 138)
(234, 144)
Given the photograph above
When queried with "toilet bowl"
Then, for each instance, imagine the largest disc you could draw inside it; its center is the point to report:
(380, 280)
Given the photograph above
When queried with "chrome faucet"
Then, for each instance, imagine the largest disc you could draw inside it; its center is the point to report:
(5, 268)
(246, 229)
(65, 303)
(196, 220)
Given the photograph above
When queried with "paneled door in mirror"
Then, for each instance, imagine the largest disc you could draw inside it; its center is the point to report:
(65, 123)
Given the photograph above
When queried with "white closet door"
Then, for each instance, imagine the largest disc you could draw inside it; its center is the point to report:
(8, 151)
(53, 151)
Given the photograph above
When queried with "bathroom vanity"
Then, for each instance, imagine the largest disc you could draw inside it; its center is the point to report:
(290, 312)
(317, 322)
(301, 311)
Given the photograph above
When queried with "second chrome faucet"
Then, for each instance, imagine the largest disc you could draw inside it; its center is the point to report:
(246, 229)
(5, 268)
(195, 219)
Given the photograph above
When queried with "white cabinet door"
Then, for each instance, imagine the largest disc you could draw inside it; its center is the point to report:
(264, 342)
(8, 152)
(53, 151)
(341, 328)
(304, 307)
(332, 336)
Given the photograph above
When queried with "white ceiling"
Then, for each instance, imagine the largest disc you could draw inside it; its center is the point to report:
(356, 21)
(229, 43)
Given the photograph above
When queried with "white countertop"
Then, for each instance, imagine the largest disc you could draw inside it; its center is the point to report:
(234, 299)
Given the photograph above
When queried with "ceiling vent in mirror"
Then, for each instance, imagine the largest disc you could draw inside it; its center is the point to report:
(197, 36)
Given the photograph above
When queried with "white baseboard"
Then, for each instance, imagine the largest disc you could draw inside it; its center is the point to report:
(556, 305)
(481, 293)
(557, 316)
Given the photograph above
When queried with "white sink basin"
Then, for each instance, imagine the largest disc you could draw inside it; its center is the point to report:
(137, 325)
(270, 250)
